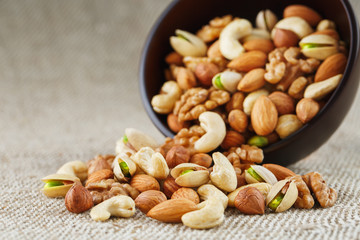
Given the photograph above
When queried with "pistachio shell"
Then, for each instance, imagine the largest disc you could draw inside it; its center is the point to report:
(58, 191)
(121, 147)
(318, 39)
(117, 169)
(319, 53)
(228, 80)
(264, 173)
(327, 46)
(196, 178)
(295, 24)
(76, 168)
(187, 44)
(266, 20)
(139, 139)
(289, 198)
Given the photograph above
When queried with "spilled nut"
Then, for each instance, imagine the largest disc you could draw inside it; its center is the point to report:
(75, 168)
(223, 175)
(282, 196)
(57, 185)
(256, 174)
(207, 191)
(123, 167)
(187, 44)
(263, 187)
(190, 175)
(118, 206)
(122, 146)
(137, 139)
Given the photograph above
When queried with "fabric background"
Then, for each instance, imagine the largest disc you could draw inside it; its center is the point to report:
(68, 89)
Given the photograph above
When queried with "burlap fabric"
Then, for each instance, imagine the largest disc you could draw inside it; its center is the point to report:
(69, 87)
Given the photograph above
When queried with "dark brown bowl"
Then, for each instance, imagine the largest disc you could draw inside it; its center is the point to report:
(191, 15)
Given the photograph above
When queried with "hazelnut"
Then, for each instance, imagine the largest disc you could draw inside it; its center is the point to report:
(284, 103)
(177, 155)
(250, 201)
(78, 199)
(170, 186)
(285, 38)
(205, 72)
(238, 120)
(185, 78)
(149, 199)
(143, 182)
(187, 193)
(306, 109)
(174, 124)
(232, 139)
(201, 159)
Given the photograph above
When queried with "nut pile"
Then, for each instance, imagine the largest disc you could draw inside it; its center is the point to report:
(265, 82)
(172, 183)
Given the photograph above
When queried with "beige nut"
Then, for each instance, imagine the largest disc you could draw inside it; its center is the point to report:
(227, 80)
(190, 175)
(306, 109)
(266, 20)
(319, 46)
(188, 44)
(207, 191)
(118, 206)
(123, 167)
(263, 187)
(257, 173)
(164, 102)
(257, 33)
(223, 175)
(319, 90)
(287, 124)
(149, 199)
(75, 168)
(210, 214)
(295, 24)
(250, 201)
(250, 99)
(282, 196)
(230, 46)
(57, 185)
(123, 147)
(215, 129)
(177, 155)
(152, 163)
(325, 24)
(139, 139)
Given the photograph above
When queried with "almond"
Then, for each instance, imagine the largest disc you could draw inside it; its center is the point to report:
(170, 186)
(306, 13)
(264, 45)
(285, 38)
(253, 80)
(333, 65)
(100, 175)
(205, 71)
(174, 58)
(149, 199)
(238, 120)
(306, 109)
(331, 32)
(264, 116)
(187, 193)
(143, 182)
(283, 102)
(250, 201)
(248, 61)
(172, 210)
(280, 172)
(232, 139)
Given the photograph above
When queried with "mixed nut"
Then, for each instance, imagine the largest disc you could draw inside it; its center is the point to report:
(228, 85)
(172, 183)
(265, 82)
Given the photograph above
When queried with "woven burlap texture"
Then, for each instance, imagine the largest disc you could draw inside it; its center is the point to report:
(69, 88)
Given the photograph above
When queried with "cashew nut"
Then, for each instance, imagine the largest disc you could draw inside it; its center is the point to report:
(190, 175)
(319, 90)
(164, 102)
(230, 47)
(74, 168)
(263, 187)
(207, 191)
(118, 206)
(210, 214)
(215, 129)
(257, 33)
(151, 162)
(187, 44)
(223, 175)
(296, 24)
(138, 139)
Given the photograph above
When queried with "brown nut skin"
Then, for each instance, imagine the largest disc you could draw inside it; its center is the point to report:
(78, 199)
(264, 45)
(284, 103)
(236, 102)
(285, 38)
(187, 193)
(177, 155)
(99, 175)
(201, 159)
(306, 109)
(248, 61)
(149, 199)
(332, 66)
(143, 182)
(205, 72)
(170, 186)
(174, 124)
(232, 139)
(238, 120)
(174, 58)
(264, 116)
(306, 13)
(250, 201)
(280, 172)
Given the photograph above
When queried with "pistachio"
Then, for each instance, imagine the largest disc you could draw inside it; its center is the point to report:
(188, 44)
(123, 167)
(282, 196)
(319, 46)
(266, 20)
(123, 147)
(190, 175)
(259, 141)
(138, 139)
(257, 173)
(227, 80)
(57, 185)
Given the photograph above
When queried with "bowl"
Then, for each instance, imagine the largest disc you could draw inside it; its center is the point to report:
(191, 15)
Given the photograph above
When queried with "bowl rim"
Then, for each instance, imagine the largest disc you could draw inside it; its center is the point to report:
(354, 44)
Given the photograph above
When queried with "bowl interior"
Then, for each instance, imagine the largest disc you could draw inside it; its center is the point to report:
(192, 15)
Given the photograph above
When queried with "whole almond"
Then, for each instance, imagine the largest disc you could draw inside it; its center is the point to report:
(264, 45)
(252, 80)
(283, 102)
(100, 175)
(232, 139)
(236, 102)
(177, 155)
(280, 172)
(205, 71)
(248, 61)
(201, 159)
(214, 50)
(264, 116)
(306, 13)
(172, 210)
(187, 193)
(306, 109)
(78, 199)
(333, 65)
(143, 182)
(331, 32)
(238, 120)
(174, 124)
(149, 199)
(250, 201)
(285, 38)
(170, 186)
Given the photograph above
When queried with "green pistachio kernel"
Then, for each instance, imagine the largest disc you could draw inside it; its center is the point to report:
(258, 141)
(252, 172)
(310, 45)
(125, 139)
(276, 201)
(217, 82)
(53, 184)
(186, 171)
(125, 169)
(183, 37)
